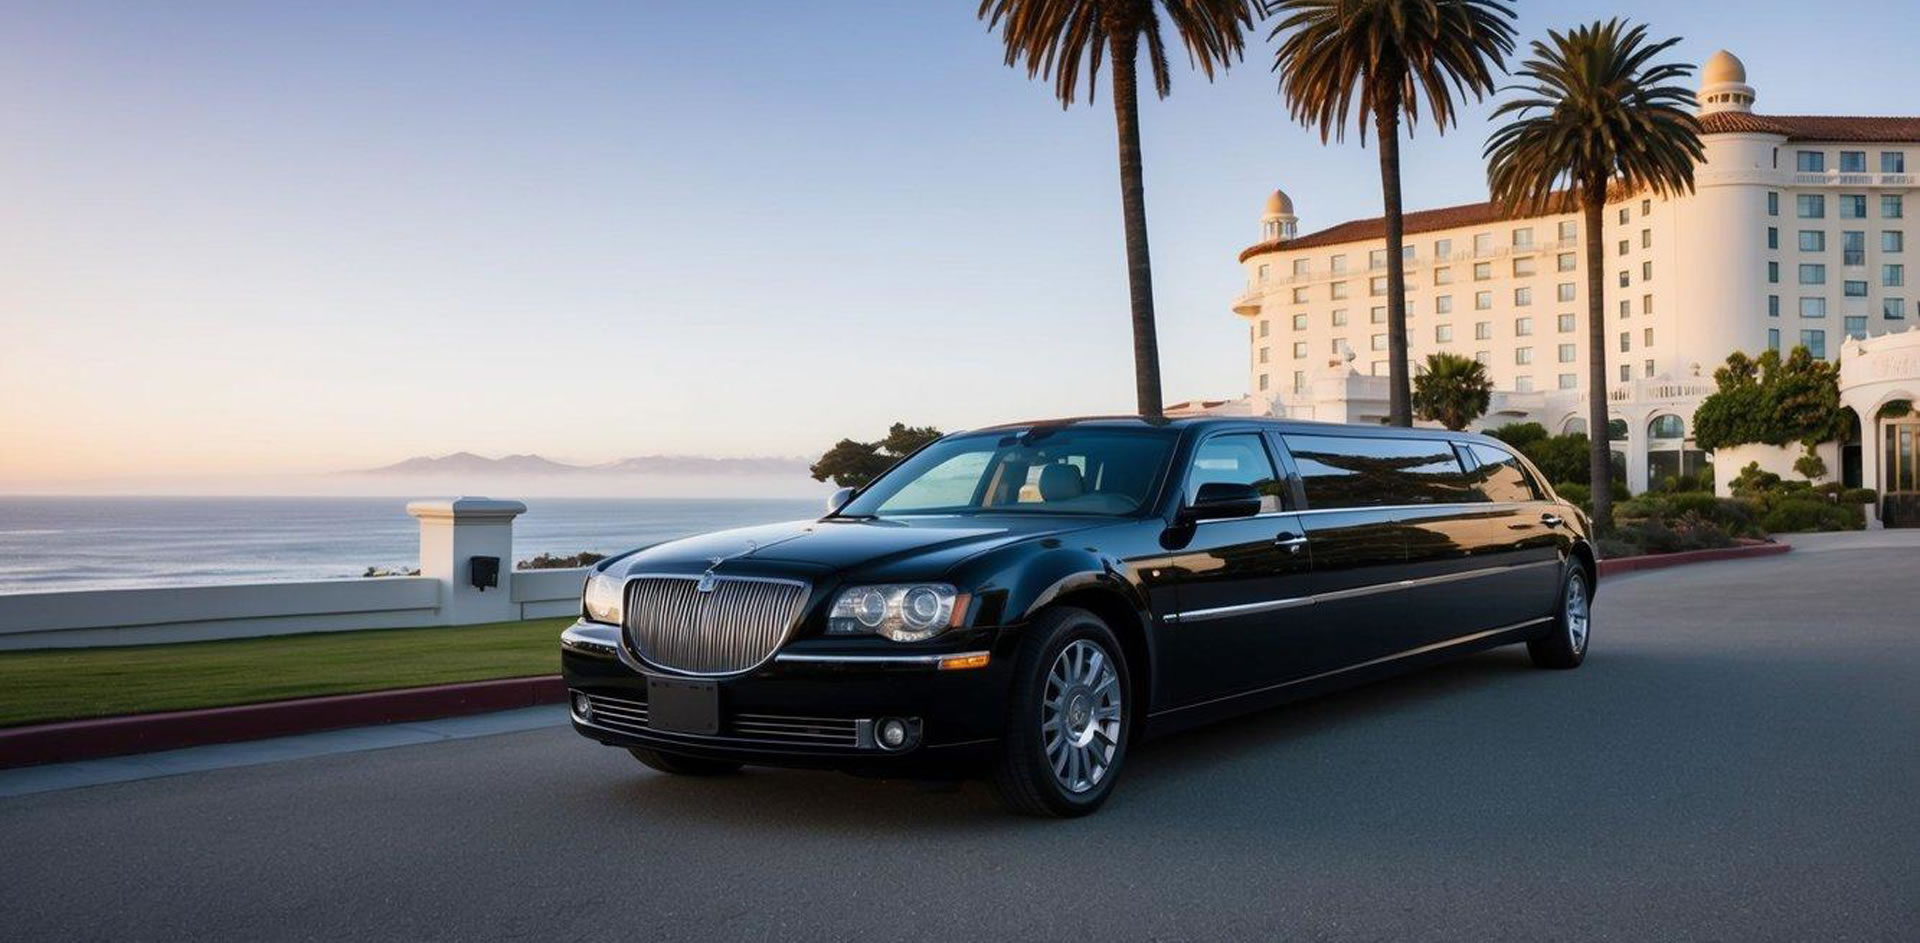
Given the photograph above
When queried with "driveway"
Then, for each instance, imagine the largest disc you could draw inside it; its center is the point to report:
(1738, 760)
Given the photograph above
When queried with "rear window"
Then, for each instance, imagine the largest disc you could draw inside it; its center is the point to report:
(1358, 472)
(1500, 476)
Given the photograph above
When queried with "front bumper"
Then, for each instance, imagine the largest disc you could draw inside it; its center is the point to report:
(814, 705)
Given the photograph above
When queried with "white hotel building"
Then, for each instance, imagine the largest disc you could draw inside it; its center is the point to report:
(1797, 233)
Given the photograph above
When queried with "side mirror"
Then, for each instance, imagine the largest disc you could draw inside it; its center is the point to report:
(839, 499)
(1222, 499)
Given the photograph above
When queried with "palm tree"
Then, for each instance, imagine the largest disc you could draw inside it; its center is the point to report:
(1452, 390)
(1595, 111)
(1055, 38)
(1374, 60)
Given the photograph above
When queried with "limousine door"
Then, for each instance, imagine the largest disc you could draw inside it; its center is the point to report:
(1241, 582)
(1491, 563)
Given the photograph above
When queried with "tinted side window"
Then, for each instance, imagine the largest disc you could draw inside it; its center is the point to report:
(1500, 477)
(1240, 458)
(1356, 472)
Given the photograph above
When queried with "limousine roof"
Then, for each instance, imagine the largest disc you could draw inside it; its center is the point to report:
(1297, 426)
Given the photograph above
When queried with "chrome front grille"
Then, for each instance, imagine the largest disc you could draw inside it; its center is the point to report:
(735, 626)
(624, 715)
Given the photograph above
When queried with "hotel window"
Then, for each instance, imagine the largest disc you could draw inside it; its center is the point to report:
(1773, 273)
(1811, 162)
(1564, 323)
(1299, 322)
(1263, 354)
(1523, 238)
(1893, 162)
(1625, 278)
(1377, 259)
(1299, 381)
(1567, 353)
(1482, 243)
(1773, 306)
(1569, 231)
(1854, 289)
(1813, 240)
(1773, 203)
(1442, 249)
(1815, 342)
(1565, 262)
(1890, 206)
(1299, 296)
(1406, 255)
(1483, 330)
(1523, 355)
(1522, 327)
(1522, 297)
(1626, 309)
(1337, 264)
(1299, 350)
(1893, 240)
(1482, 301)
(1378, 368)
(1564, 291)
(1443, 304)
(1626, 373)
(1853, 162)
(1377, 285)
(1811, 205)
(1626, 341)
(1302, 268)
(1569, 380)
(1647, 370)
(1893, 276)
(1377, 315)
(1483, 356)
(1853, 206)
(1623, 216)
(1337, 291)
(1624, 246)
(1646, 337)
(1524, 267)
(1263, 381)
(1857, 326)
(1379, 342)
(1813, 307)
(1646, 304)
(1813, 273)
(1263, 274)
(1338, 343)
(1442, 333)
(1443, 276)
(1646, 271)
(1893, 309)
(1853, 248)
(1482, 271)
(1523, 384)
(1263, 327)
(1646, 207)
(1773, 339)
(1339, 317)
(1773, 237)
(1646, 238)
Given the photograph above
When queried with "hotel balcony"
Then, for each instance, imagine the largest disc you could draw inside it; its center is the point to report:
(1837, 178)
(1247, 304)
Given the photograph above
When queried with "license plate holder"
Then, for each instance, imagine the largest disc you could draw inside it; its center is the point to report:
(681, 705)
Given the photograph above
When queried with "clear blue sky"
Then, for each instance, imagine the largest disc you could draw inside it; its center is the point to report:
(274, 236)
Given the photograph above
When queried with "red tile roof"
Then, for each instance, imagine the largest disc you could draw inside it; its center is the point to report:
(1816, 127)
(1446, 217)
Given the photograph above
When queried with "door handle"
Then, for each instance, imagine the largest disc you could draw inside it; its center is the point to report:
(1292, 541)
(1550, 519)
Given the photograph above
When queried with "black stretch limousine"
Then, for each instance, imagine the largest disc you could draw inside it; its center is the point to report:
(1027, 601)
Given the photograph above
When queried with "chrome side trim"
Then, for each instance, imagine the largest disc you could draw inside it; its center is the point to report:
(872, 661)
(1409, 653)
(1292, 602)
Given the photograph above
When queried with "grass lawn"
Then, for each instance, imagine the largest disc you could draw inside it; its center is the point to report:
(64, 684)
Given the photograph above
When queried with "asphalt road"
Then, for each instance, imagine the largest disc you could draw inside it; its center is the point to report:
(1738, 760)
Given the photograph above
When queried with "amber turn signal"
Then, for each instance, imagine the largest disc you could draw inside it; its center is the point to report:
(961, 662)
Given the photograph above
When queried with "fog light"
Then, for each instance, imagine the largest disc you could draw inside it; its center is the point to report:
(893, 733)
(582, 707)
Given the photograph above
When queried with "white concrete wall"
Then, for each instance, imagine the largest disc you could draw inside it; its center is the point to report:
(1778, 459)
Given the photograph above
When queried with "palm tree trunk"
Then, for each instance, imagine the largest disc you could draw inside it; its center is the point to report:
(1386, 121)
(1593, 205)
(1133, 207)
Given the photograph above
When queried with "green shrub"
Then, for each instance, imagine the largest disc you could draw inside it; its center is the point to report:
(1831, 490)
(1807, 513)
(1859, 496)
(1689, 531)
(1575, 492)
(1735, 516)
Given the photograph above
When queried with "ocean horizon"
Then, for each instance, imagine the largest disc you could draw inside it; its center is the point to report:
(53, 543)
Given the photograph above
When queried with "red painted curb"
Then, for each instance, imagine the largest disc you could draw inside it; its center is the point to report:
(144, 733)
(1660, 561)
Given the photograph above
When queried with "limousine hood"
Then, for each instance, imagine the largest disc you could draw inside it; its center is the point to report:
(832, 545)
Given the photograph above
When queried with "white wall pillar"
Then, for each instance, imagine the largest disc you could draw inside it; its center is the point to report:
(452, 532)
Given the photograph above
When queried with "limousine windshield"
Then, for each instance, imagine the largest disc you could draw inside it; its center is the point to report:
(1043, 470)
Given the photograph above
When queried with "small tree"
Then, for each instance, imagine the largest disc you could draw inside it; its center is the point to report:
(852, 464)
(1771, 400)
(1452, 390)
(1811, 466)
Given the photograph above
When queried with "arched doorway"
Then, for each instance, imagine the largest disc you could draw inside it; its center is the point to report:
(1900, 471)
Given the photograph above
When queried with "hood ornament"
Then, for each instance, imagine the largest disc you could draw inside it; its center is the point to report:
(709, 578)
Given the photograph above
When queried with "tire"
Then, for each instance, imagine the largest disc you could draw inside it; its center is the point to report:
(1565, 644)
(1068, 712)
(682, 765)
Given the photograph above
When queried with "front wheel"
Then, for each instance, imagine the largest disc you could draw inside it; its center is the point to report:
(1068, 725)
(1565, 645)
(682, 765)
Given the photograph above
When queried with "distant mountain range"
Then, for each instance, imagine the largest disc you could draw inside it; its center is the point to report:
(467, 463)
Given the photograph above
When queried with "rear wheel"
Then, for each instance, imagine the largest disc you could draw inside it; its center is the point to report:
(682, 765)
(1565, 645)
(1067, 727)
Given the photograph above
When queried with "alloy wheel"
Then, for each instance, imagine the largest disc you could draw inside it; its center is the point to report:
(1081, 715)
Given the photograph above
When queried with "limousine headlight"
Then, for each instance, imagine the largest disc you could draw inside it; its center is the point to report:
(903, 612)
(601, 601)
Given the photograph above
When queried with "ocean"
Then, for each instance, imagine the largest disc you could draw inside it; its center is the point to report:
(61, 543)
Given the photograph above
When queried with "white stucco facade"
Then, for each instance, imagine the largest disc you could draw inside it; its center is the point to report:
(1796, 233)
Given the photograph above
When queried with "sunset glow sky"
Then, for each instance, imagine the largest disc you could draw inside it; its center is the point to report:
(257, 238)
